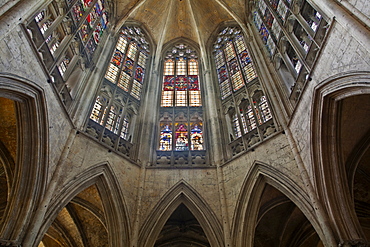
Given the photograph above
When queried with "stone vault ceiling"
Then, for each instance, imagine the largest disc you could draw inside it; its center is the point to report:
(170, 19)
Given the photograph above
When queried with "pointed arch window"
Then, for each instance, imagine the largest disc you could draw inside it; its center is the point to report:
(292, 33)
(181, 124)
(66, 35)
(113, 116)
(247, 111)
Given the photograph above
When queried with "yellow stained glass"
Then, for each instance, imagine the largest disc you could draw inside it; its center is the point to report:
(111, 73)
(169, 67)
(181, 99)
(181, 66)
(167, 99)
(136, 89)
(124, 80)
(132, 50)
(193, 67)
(195, 98)
(237, 81)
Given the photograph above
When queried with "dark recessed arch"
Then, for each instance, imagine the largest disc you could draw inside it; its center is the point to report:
(333, 171)
(246, 215)
(103, 177)
(181, 193)
(30, 169)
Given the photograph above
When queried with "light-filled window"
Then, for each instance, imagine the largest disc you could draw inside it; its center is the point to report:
(181, 127)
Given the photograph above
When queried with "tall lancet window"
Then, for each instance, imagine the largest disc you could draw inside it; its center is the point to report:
(181, 121)
(246, 107)
(113, 116)
(292, 33)
(66, 36)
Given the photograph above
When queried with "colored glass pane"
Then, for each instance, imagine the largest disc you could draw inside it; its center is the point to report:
(193, 67)
(117, 58)
(193, 83)
(237, 81)
(196, 137)
(169, 67)
(77, 11)
(165, 143)
(169, 83)
(233, 66)
(181, 83)
(181, 137)
(222, 74)
(264, 33)
(225, 89)
(274, 3)
(269, 18)
(244, 58)
(181, 66)
(128, 66)
(139, 74)
(136, 89)
(112, 73)
(194, 97)
(181, 98)
(124, 81)
(167, 99)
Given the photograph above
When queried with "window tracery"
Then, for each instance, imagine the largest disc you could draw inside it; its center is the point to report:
(181, 122)
(292, 32)
(66, 34)
(246, 107)
(113, 116)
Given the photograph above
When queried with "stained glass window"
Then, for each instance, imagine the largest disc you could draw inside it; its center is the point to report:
(165, 143)
(196, 137)
(181, 95)
(236, 125)
(122, 84)
(181, 78)
(233, 63)
(129, 61)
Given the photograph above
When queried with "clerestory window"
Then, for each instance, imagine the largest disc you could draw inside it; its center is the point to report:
(246, 108)
(181, 123)
(66, 35)
(292, 32)
(113, 116)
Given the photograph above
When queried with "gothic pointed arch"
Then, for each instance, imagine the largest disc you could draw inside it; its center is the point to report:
(115, 211)
(247, 210)
(337, 149)
(29, 172)
(181, 138)
(181, 193)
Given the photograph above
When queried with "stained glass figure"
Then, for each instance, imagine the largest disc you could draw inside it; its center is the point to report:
(196, 137)
(165, 143)
(239, 70)
(181, 138)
